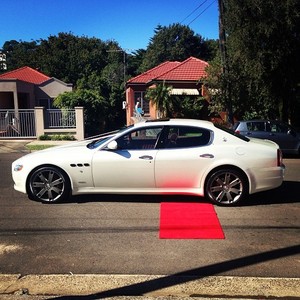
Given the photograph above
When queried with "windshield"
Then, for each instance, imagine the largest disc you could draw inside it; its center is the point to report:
(105, 137)
(232, 132)
(96, 143)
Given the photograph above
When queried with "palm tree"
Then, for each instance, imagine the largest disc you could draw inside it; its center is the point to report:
(161, 98)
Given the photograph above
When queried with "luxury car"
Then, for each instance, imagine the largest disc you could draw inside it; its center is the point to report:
(279, 132)
(170, 156)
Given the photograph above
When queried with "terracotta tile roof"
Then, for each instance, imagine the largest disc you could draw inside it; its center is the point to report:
(192, 69)
(26, 74)
(155, 72)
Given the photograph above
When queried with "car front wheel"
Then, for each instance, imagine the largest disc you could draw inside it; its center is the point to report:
(226, 187)
(48, 184)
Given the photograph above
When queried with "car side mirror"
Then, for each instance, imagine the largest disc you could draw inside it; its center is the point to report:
(113, 145)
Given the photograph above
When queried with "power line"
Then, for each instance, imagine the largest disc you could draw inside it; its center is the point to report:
(202, 12)
(193, 11)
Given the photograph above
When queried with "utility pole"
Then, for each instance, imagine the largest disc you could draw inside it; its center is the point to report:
(222, 35)
(124, 62)
(124, 103)
(224, 57)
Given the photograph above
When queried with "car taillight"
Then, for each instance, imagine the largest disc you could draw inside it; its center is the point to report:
(237, 131)
(279, 158)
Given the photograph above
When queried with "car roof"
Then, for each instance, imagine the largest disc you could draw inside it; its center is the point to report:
(179, 122)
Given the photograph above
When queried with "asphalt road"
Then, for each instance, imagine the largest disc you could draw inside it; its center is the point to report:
(113, 234)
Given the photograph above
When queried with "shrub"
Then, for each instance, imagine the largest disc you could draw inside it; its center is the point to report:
(57, 137)
(45, 137)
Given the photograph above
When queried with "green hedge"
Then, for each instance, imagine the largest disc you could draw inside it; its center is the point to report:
(57, 137)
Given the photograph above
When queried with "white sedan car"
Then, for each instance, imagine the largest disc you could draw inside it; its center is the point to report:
(171, 156)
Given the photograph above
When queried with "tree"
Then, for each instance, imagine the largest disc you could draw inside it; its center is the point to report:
(94, 107)
(160, 95)
(263, 42)
(65, 56)
(176, 106)
(135, 60)
(188, 106)
(174, 42)
(70, 57)
(20, 54)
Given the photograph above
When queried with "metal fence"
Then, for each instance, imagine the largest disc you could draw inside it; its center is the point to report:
(58, 118)
(20, 123)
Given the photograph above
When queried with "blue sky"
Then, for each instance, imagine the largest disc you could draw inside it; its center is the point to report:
(131, 23)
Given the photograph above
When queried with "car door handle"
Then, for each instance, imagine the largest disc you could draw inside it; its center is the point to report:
(146, 157)
(207, 155)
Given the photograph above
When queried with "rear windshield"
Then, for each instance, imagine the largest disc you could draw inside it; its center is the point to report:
(230, 131)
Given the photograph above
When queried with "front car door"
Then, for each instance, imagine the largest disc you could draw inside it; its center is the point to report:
(131, 165)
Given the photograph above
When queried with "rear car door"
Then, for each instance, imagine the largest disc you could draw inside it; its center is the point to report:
(185, 154)
(256, 129)
(283, 135)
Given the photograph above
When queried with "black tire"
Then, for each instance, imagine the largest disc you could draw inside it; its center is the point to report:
(226, 187)
(49, 185)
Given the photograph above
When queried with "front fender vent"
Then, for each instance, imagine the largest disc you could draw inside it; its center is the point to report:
(80, 165)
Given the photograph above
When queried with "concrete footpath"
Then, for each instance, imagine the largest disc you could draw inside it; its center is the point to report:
(95, 286)
(11, 146)
(163, 287)
(14, 146)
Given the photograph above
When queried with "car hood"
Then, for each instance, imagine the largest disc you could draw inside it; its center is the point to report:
(77, 146)
(58, 152)
(80, 144)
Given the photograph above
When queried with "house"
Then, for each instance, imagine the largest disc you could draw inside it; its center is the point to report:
(184, 77)
(26, 88)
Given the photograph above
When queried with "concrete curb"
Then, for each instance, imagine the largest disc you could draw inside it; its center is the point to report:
(101, 286)
(52, 143)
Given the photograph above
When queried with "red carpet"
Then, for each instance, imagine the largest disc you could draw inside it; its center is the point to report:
(189, 221)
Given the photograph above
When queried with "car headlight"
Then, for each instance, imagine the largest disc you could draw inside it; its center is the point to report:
(18, 167)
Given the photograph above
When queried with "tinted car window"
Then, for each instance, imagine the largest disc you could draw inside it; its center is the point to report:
(278, 127)
(143, 138)
(256, 126)
(186, 136)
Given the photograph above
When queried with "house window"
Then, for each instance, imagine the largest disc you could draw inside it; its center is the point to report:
(140, 97)
(45, 102)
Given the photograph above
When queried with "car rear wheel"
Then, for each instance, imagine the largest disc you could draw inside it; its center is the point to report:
(48, 184)
(226, 187)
